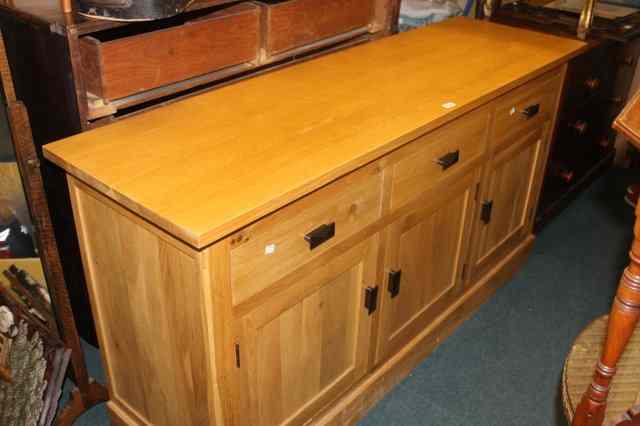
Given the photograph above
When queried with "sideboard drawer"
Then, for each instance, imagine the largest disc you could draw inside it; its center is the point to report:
(531, 103)
(115, 68)
(271, 248)
(438, 154)
(294, 23)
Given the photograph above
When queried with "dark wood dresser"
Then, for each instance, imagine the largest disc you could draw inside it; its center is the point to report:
(74, 73)
(596, 88)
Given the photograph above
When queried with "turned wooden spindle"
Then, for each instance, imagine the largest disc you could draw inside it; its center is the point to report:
(622, 322)
(66, 6)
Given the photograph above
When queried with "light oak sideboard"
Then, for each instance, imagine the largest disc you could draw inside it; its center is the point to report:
(282, 251)
(74, 73)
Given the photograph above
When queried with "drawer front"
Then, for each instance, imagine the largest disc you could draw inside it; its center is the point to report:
(435, 156)
(268, 250)
(294, 23)
(117, 68)
(533, 103)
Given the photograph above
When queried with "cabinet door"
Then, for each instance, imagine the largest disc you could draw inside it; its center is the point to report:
(424, 262)
(509, 196)
(306, 344)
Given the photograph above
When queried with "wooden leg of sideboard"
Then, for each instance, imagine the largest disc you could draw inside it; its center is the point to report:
(622, 322)
(354, 405)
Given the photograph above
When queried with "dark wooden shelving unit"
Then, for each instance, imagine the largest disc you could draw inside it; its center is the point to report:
(596, 88)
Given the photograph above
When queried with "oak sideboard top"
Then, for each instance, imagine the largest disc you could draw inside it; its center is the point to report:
(205, 166)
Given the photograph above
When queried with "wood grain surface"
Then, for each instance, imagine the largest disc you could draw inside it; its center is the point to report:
(305, 347)
(294, 23)
(428, 247)
(351, 204)
(206, 166)
(114, 69)
(134, 318)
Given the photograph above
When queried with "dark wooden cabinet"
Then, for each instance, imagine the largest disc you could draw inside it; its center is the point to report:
(584, 143)
(596, 87)
(74, 73)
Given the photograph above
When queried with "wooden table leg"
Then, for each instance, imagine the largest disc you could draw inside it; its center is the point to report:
(66, 6)
(622, 322)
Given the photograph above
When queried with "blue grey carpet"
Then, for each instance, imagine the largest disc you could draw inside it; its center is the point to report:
(503, 366)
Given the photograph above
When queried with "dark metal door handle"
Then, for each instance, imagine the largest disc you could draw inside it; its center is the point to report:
(531, 111)
(449, 159)
(485, 213)
(394, 282)
(371, 299)
(321, 234)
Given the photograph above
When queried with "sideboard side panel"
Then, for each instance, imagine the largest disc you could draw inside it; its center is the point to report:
(144, 290)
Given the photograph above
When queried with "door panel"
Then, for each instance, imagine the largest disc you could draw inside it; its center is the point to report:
(428, 248)
(510, 188)
(309, 343)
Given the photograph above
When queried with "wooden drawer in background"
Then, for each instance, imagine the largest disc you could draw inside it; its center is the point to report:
(115, 68)
(521, 108)
(438, 154)
(271, 248)
(293, 23)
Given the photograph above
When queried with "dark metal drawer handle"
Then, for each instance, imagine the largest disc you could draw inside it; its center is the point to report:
(449, 159)
(321, 234)
(531, 111)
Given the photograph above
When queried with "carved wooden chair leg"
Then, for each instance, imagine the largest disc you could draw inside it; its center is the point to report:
(622, 322)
